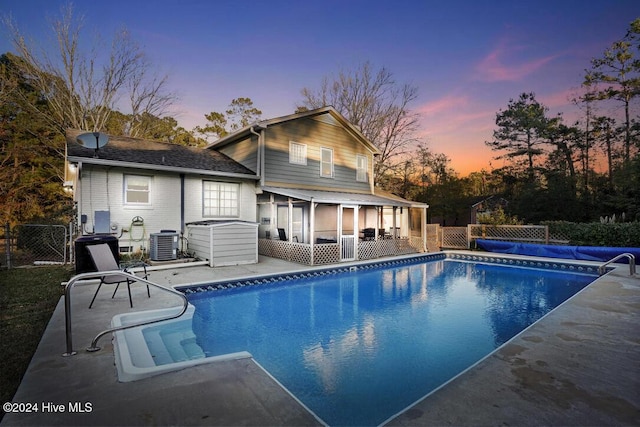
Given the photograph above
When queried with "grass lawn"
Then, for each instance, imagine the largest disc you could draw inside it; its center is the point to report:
(28, 297)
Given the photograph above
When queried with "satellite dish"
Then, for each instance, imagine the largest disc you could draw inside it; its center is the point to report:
(93, 140)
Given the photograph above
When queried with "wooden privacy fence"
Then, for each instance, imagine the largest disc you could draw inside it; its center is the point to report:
(463, 237)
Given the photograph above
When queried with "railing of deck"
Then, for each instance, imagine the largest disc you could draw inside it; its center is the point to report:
(330, 253)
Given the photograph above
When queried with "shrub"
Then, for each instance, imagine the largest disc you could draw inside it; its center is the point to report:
(612, 234)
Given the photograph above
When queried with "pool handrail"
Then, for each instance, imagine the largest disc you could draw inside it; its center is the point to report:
(96, 274)
(632, 263)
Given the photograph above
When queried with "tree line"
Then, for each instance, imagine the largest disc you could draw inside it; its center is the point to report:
(551, 166)
(550, 172)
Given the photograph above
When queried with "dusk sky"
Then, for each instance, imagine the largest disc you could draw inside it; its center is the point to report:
(467, 58)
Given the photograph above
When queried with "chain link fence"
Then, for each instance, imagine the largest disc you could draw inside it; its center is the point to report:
(36, 244)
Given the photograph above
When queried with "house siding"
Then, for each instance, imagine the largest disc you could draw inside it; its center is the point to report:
(102, 189)
(244, 152)
(316, 134)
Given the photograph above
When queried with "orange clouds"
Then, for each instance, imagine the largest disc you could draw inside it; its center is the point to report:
(495, 68)
(445, 105)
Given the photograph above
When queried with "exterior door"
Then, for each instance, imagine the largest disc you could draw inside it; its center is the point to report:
(348, 229)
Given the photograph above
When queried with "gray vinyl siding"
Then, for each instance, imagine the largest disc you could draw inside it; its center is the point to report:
(244, 152)
(316, 134)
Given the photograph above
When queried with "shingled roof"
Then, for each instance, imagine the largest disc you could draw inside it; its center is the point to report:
(146, 154)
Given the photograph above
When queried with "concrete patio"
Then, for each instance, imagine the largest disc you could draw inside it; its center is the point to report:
(579, 365)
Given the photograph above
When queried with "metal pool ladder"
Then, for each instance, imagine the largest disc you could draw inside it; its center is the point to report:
(94, 347)
(632, 263)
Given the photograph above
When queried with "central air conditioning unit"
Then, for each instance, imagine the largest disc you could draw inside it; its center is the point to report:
(164, 246)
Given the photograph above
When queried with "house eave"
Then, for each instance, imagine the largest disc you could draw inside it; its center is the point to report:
(337, 198)
(147, 166)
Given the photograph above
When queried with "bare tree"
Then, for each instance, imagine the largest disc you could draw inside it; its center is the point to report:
(376, 104)
(84, 88)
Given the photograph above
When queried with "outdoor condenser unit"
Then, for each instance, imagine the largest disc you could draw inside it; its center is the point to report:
(164, 246)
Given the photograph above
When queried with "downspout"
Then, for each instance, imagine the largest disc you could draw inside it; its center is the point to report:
(260, 154)
(78, 190)
(182, 177)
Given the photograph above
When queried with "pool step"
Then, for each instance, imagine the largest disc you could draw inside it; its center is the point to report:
(175, 343)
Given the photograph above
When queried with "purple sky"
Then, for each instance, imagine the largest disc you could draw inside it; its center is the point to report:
(468, 58)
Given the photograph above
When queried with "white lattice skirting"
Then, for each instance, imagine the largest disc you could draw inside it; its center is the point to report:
(329, 253)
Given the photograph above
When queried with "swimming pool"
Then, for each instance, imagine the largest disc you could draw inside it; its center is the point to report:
(358, 345)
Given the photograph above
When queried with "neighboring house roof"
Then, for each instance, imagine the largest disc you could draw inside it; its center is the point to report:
(244, 132)
(337, 197)
(145, 154)
(491, 200)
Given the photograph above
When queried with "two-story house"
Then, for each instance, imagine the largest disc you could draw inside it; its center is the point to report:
(298, 187)
(317, 200)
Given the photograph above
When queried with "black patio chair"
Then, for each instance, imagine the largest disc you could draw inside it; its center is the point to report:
(369, 233)
(283, 235)
(104, 260)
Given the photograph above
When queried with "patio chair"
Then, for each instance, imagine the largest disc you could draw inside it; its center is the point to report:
(283, 235)
(104, 260)
(369, 233)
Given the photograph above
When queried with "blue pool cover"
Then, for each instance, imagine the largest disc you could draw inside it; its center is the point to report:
(586, 253)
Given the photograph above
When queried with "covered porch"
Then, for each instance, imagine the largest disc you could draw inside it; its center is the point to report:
(322, 227)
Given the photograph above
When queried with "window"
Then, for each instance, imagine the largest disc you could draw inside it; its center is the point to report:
(220, 199)
(326, 162)
(297, 153)
(137, 190)
(361, 168)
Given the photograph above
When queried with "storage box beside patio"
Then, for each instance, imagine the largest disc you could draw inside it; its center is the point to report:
(224, 242)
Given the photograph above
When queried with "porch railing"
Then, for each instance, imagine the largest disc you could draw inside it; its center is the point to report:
(329, 253)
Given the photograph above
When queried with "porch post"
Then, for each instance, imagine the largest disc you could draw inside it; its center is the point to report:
(274, 217)
(312, 228)
(290, 221)
(395, 208)
(339, 227)
(356, 231)
(423, 228)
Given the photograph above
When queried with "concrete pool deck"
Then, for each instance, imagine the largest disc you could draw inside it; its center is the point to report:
(579, 365)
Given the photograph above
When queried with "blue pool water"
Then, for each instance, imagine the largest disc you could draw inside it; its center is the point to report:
(358, 347)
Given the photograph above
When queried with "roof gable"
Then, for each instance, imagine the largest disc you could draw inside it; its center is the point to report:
(136, 152)
(317, 113)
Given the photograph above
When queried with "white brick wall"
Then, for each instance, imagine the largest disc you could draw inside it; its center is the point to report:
(103, 189)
